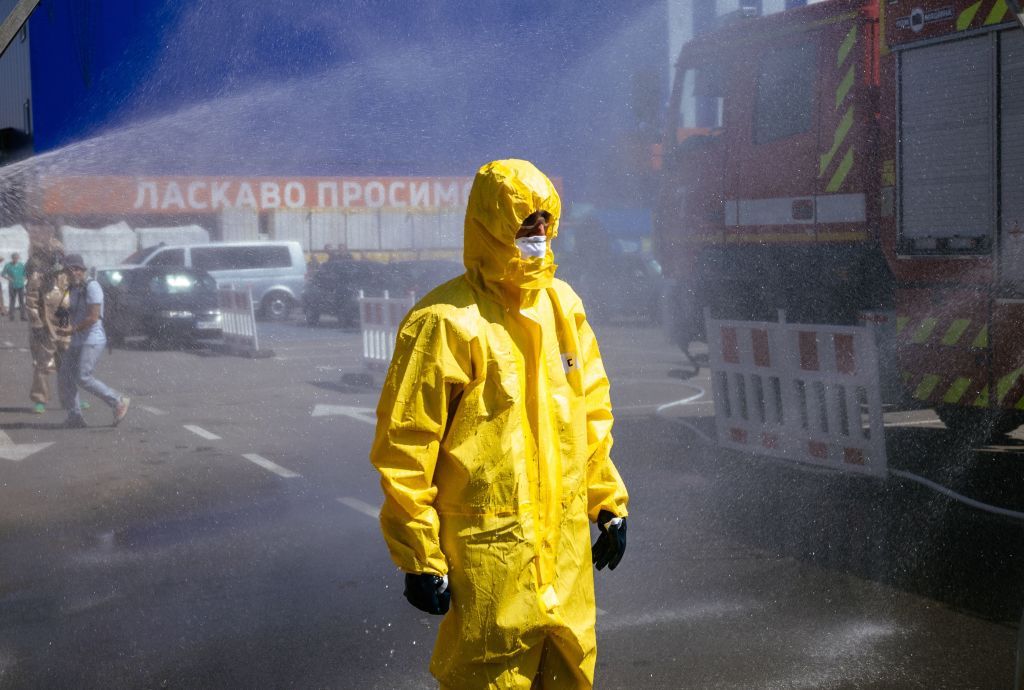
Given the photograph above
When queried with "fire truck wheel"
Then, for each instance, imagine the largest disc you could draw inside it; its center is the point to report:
(977, 424)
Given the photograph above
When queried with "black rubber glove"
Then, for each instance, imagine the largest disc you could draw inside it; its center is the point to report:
(610, 546)
(422, 592)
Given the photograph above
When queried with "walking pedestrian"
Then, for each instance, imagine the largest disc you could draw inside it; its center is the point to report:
(493, 444)
(85, 326)
(47, 296)
(14, 272)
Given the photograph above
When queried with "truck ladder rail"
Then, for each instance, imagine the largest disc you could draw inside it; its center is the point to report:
(14, 21)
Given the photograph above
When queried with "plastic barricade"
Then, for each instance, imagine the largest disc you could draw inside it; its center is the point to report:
(238, 321)
(803, 392)
(379, 319)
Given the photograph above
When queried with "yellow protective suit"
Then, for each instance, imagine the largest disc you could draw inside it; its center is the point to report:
(46, 292)
(493, 439)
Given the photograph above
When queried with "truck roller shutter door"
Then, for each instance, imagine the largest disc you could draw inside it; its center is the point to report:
(946, 147)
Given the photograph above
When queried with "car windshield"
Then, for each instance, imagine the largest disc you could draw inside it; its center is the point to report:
(139, 256)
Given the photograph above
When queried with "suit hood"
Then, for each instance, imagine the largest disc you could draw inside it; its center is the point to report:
(504, 193)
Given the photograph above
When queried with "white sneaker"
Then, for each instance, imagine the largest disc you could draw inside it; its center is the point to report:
(121, 410)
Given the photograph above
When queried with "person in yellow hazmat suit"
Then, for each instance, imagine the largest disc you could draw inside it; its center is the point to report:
(492, 442)
(46, 298)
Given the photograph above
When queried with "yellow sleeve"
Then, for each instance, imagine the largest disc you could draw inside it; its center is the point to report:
(605, 488)
(425, 376)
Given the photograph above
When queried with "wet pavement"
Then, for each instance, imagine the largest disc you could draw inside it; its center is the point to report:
(222, 537)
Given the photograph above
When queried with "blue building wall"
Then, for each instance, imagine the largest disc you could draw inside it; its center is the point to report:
(88, 56)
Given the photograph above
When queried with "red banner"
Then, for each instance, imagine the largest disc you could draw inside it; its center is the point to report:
(147, 195)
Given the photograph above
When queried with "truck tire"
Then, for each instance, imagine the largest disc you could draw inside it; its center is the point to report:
(978, 425)
(276, 306)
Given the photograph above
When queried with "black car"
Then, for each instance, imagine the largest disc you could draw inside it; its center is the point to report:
(334, 288)
(420, 277)
(162, 303)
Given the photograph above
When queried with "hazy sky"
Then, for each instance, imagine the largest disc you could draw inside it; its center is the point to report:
(317, 86)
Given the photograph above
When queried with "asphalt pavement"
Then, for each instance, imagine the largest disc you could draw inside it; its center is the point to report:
(224, 535)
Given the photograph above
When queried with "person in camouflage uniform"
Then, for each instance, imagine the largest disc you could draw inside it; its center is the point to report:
(46, 292)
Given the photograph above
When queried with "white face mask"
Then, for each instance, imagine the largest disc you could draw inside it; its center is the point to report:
(532, 247)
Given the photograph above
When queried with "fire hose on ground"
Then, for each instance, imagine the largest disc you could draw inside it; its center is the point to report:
(909, 476)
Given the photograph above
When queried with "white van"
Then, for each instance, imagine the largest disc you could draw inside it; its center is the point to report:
(275, 271)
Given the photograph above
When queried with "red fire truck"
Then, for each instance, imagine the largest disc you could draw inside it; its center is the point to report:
(862, 158)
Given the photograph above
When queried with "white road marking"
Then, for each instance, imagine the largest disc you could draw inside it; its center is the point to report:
(16, 452)
(152, 410)
(268, 465)
(200, 431)
(920, 421)
(360, 507)
(362, 414)
(659, 406)
(649, 406)
(8, 343)
(685, 401)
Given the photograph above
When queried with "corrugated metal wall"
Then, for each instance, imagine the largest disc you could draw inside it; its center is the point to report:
(15, 78)
(239, 225)
(369, 229)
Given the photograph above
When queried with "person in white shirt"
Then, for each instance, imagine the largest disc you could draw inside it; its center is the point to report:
(85, 326)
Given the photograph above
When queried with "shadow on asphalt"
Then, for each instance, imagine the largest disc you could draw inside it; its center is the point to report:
(32, 425)
(198, 349)
(894, 531)
(350, 384)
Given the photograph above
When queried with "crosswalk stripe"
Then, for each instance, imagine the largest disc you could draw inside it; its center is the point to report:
(268, 465)
(200, 431)
(360, 507)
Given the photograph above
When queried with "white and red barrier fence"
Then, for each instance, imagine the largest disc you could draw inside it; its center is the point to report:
(379, 319)
(238, 320)
(804, 392)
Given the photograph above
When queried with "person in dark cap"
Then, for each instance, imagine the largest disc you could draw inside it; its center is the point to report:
(85, 326)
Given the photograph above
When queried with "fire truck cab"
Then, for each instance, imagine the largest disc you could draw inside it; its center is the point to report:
(773, 206)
